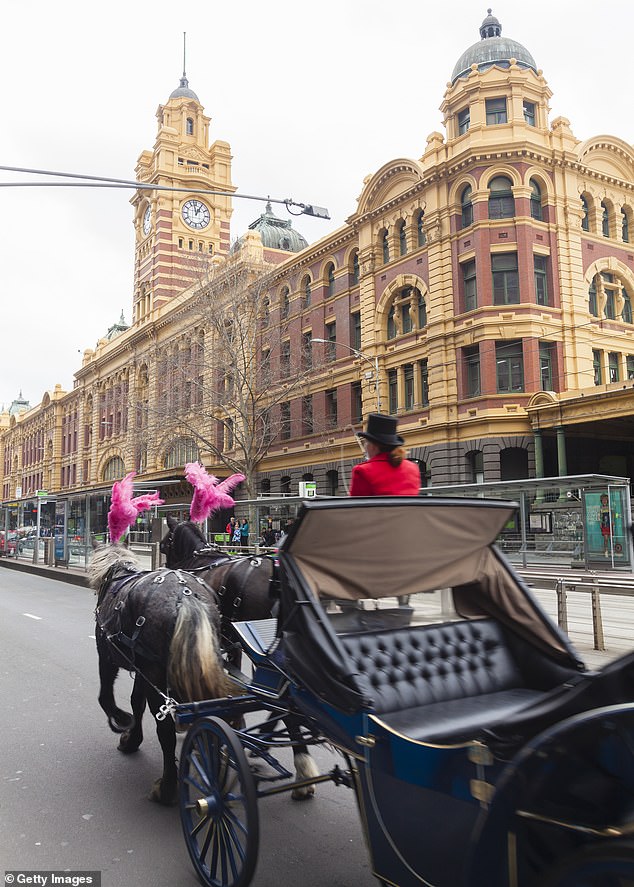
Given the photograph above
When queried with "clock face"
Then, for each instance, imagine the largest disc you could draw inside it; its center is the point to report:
(147, 220)
(196, 214)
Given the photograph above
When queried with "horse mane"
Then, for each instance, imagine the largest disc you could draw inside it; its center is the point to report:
(107, 557)
(187, 538)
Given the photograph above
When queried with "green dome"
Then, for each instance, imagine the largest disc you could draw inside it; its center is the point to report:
(277, 233)
(492, 49)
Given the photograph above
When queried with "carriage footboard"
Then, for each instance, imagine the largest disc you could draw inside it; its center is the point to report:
(446, 683)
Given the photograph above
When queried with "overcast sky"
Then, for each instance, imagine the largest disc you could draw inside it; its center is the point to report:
(312, 97)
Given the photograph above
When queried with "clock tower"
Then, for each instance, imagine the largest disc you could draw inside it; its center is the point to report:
(179, 231)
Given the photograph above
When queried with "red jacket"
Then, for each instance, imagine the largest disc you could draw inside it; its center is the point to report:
(377, 477)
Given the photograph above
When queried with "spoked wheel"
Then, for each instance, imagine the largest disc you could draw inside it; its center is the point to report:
(218, 805)
(608, 864)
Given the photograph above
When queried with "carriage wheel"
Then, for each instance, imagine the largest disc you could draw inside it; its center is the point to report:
(607, 864)
(218, 805)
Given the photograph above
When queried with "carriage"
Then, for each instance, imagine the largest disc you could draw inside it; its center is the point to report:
(481, 751)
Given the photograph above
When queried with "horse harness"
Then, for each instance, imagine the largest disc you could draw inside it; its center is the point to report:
(231, 599)
(129, 647)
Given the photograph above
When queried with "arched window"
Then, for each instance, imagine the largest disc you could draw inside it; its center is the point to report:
(513, 464)
(330, 279)
(536, 201)
(605, 220)
(285, 485)
(306, 289)
(114, 469)
(402, 239)
(475, 467)
(190, 126)
(385, 247)
(265, 487)
(625, 227)
(420, 230)
(266, 310)
(585, 221)
(181, 451)
(466, 207)
(501, 200)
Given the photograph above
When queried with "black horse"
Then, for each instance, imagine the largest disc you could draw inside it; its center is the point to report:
(163, 626)
(243, 586)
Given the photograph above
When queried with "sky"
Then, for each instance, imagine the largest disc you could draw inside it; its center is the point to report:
(312, 98)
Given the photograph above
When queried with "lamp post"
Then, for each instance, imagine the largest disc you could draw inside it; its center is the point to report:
(373, 361)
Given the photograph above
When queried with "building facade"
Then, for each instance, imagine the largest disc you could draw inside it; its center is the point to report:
(482, 293)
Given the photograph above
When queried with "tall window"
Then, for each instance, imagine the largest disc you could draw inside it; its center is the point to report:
(307, 291)
(285, 486)
(332, 482)
(625, 227)
(605, 220)
(529, 112)
(285, 302)
(285, 420)
(466, 207)
(501, 200)
(472, 370)
(331, 336)
(392, 391)
(331, 408)
(307, 350)
(420, 228)
(509, 362)
(613, 367)
(285, 357)
(391, 322)
(307, 414)
(406, 316)
(475, 463)
(408, 383)
(330, 280)
(597, 366)
(357, 402)
(355, 268)
(464, 121)
(496, 111)
(540, 264)
(421, 306)
(536, 201)
(385, 246)
(190, 126)
(469, 285)
(629, 365)
(355, 330)
(506, 289)
(585, 219)
(424, 381)
(546, 362)
(402, 239)
(626, 310)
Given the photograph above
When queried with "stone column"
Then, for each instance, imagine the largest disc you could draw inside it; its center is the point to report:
(539, 453)
(562, 466)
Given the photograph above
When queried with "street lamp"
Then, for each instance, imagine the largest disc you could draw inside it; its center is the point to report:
(373, 361)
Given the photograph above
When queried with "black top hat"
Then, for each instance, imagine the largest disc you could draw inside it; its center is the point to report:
(382, 430)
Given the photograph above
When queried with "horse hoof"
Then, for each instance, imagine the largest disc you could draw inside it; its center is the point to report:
(303, 794)
(127, 746)
(120, 722)
(159, 796)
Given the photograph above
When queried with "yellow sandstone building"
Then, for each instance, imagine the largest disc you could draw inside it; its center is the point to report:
(482, 293)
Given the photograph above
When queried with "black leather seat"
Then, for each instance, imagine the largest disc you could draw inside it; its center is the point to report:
(442, 683)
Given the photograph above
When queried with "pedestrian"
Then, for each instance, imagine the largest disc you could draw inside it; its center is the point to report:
(386, 471)
(244, 533)
(231, 525)
(237, 535)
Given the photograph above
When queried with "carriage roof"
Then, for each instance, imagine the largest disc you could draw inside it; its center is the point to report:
(371, 548)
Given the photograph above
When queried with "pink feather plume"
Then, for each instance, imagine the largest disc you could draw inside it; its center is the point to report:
(124, 508)
(209, 494)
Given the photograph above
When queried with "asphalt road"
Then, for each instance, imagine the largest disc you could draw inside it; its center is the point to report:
(71, 801)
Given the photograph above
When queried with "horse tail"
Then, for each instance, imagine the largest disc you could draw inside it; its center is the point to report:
(194, 668)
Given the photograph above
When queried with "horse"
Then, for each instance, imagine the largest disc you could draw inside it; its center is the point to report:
(243, 586)
(164, 626)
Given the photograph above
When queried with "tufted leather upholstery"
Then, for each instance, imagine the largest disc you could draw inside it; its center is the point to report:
(440, 682)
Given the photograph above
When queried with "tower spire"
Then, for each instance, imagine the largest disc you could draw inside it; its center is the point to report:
(184, 54)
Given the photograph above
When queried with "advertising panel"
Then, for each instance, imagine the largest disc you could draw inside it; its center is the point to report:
(60, 530)
(605, 524)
